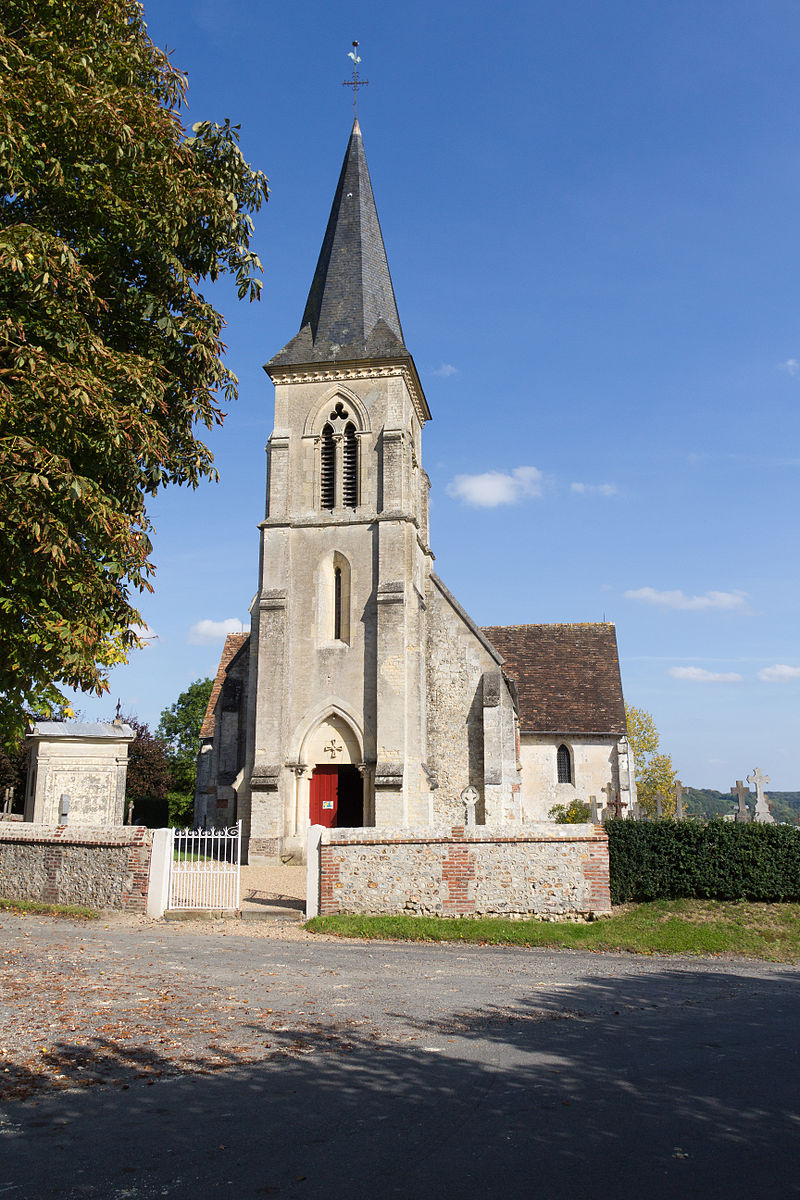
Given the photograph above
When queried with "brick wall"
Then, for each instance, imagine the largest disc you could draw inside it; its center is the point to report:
(541, 870)
(99, 868)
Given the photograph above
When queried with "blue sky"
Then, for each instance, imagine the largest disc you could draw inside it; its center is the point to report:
(590, 213)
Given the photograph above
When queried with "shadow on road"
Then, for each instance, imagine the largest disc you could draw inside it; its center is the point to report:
(667, 1084)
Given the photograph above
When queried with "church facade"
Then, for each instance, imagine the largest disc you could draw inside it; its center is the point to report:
(364, 694)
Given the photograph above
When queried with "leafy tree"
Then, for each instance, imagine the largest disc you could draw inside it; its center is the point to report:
(110, 216)
(14, 774)
(148, 775)
(654, 771)
(179, 729)
(577, 812)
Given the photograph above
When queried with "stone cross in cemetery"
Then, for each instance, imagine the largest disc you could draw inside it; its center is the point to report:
(762, 813)
(469, 797)
(659, 799)
(741, 793)
(678, 800)
(594, 810)
(613, 801)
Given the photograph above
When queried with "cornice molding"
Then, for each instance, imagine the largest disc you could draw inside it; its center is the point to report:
(326, 373)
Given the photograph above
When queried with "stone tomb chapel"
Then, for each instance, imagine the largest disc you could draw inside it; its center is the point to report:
(364, 694)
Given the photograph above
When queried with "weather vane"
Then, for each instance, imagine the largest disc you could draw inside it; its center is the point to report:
(355, 83)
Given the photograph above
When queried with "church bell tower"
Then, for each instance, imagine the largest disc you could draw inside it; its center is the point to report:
(336, 728)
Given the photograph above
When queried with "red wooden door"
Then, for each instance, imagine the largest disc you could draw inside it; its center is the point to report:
(323, 801)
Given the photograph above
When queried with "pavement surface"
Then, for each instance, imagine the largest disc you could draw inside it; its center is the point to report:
(185, 1060)
(274, 892)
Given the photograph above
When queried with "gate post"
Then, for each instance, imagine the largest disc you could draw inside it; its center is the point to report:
(160, 869)
(313, 859)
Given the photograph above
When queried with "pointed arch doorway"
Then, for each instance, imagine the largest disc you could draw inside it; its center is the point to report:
(338, 794)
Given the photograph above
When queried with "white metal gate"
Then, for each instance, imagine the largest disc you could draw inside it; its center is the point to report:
(204, 868)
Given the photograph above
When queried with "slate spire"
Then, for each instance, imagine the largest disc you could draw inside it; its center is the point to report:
(351, 312)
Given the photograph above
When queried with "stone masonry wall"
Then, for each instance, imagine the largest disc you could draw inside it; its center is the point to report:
(543, 871)
(99, 868)
(456, 662)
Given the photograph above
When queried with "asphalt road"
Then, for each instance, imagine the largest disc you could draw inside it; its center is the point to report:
(186, 1065)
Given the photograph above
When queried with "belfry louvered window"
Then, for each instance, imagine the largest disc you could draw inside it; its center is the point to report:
(350, 467)
(564, 765)
(327, 491)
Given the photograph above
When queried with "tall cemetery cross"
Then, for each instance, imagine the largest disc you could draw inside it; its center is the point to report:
(355, 83)
(762, 812)
(741, 793)
(613, 801)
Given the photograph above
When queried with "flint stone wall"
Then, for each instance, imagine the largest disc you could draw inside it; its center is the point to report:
(544, 870)
(99, 868)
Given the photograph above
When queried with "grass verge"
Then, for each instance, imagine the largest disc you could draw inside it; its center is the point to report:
(53, 910)
(704, 927)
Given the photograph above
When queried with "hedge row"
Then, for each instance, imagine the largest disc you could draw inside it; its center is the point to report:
(717, 860)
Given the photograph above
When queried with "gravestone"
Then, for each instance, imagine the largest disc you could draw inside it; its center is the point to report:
(613, 802)
(594, 810)
(762, 813)
(678, 800)
(659, 799)
(742, 794)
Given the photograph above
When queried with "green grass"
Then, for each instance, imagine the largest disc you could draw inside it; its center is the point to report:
(704, 927)
(54, 910)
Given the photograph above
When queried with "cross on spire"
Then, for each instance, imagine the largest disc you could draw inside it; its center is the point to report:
(355, 83)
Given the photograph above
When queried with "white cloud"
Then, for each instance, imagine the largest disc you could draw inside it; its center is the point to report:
(700, 675)
(780, 673)
(677, 599)
(496, 487)
(791, 366)
(445, 370)
(594, 489)
(206, 632)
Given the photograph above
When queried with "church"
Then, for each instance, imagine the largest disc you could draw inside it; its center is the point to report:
(364, 694)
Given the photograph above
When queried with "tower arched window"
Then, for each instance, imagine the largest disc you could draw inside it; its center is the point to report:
(350, 467)
(564, 764)
(327, 491)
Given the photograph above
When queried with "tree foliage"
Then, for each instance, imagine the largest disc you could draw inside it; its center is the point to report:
(14, 773)
(655, 773)
(110, 216)
(148, 775)
(179, 730)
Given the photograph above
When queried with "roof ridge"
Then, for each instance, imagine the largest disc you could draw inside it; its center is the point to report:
(556, 625)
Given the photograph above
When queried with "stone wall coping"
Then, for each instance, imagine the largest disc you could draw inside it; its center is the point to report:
(92, 731)
(540, 831)
(74, 835)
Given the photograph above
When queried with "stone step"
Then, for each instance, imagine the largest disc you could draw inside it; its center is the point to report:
(269, 913)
